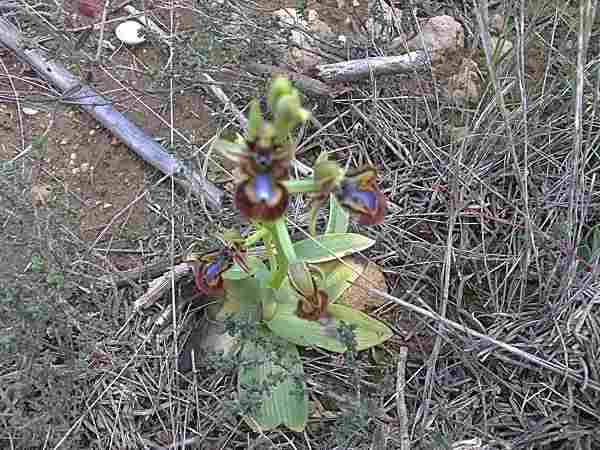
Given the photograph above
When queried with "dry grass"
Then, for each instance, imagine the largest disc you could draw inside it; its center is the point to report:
(500, 317)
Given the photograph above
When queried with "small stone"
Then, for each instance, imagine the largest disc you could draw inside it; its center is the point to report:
(84, 167)
(115, 141)
(107, 205)
(92, 132)
(64, 142)
(73, 155)
(40, 194)
(438, 34)
(128, 32)
(29, 111)
(75, 171)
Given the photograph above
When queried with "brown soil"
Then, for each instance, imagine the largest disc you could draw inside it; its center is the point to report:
(99, 176)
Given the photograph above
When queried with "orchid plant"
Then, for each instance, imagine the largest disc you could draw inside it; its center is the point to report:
(289, 289)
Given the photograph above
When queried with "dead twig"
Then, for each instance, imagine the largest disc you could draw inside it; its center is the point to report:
(401, 400)
(357, 69)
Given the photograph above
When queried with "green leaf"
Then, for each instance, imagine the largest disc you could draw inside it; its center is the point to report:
(286, 324)
(331, 246)
(338, 217)
(301, 186)
(287, 402)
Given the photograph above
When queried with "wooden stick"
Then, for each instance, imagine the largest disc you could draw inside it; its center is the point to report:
(380, 65)
(401, 400)
(102, 110)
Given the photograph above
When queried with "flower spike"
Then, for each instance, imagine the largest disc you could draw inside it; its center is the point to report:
(263, 158)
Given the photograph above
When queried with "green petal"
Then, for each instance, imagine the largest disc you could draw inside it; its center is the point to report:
(331, 246)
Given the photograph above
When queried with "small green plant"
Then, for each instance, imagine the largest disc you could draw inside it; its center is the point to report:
(589, 249)
(285, 294)
(55, 280)
(352, 422)
(37, 264)
(301, 8)
(7, 168)
(39, 146)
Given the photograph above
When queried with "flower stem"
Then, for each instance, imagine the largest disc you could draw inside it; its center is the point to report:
(304, 185)
(258, 235)
(285, 251)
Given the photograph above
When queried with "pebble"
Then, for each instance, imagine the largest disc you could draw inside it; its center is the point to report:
(128, 32)
(64, 142)
(92, 132)
(85, 167)
(73, 156)
(29, 111)
(106, 205)
(75, 170)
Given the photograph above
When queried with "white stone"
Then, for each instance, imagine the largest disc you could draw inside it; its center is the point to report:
(29, 111)
(128, 32)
